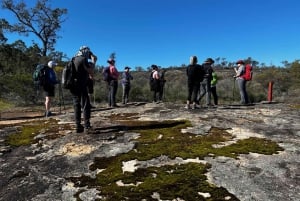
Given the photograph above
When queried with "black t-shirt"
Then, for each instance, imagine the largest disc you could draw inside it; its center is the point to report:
(194, 73)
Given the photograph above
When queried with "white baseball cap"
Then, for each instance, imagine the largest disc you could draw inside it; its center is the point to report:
(52, 64)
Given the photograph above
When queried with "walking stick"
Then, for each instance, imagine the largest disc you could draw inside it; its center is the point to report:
(61, 98)
(233, 89)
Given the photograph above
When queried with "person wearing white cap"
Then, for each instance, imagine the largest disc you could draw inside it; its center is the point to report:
(49, 86)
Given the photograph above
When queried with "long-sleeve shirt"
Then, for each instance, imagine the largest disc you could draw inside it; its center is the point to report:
(126, 77)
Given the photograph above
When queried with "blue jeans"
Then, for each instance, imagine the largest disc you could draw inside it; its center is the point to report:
(205, 89)
(243, 93)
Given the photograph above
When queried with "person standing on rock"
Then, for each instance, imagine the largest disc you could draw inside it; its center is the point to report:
(194, 77)
(239, 72)
(213, 87)
(155, 86)
(205, 88)
(126, 78)
(81, 100)
(49, 86)
(113, 83)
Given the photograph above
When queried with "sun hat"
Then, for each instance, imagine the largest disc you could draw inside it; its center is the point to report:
(240, 62)
(153, 66)
(52, 64)
(209, 60)
(127, 67)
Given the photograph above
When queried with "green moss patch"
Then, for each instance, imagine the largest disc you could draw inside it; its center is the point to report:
(28, 131)
(170, 182)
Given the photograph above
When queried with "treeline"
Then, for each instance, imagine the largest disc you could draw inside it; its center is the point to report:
(17, 63)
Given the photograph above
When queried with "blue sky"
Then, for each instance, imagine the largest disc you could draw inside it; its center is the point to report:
(168, 32)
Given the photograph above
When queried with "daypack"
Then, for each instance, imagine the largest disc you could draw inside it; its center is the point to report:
(106, 74)
(152, 82)
(69, 77)
(248, 73)
(40, 75)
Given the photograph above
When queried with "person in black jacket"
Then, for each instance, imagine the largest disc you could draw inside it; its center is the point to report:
(194, 76)
(79, 93)
(205, 85)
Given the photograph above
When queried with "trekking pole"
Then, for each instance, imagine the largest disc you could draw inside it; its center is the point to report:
(233, 89)
(62, 96)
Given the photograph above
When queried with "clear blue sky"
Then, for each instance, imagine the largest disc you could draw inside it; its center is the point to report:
(168, 32)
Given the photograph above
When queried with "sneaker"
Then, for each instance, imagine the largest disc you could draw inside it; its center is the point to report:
(187, 107)
(79, 128)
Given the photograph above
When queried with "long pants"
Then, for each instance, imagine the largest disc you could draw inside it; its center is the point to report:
(81, 101)
(193, 89)
(205, 89)
(112, 91)
(125, 96)
(243, 93)
(214, 94)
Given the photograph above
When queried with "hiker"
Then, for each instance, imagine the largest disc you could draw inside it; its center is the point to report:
(155, 84)
(49, 86)
(112, 83)
(126, 77)
(79, 93)
(239, 72)
(213, 87)
(90, 83)
(205, 88)
(194, 77)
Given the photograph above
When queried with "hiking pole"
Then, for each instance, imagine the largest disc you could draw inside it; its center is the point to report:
(62, 96)
(233, 89)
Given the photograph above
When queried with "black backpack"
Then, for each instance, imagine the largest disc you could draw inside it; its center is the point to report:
(152, 82)
(106, 74)
(69, 77)
(40, 75)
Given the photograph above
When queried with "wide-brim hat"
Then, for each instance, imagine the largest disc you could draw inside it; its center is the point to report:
(127, 67)
(240, 62)
(209, 61)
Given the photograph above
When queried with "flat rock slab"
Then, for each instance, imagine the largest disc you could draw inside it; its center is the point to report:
(38, 171)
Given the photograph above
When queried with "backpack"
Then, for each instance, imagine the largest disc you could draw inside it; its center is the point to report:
(152, 82)
(106, 74)
(68, 79)
(40, 75)
(248, 73)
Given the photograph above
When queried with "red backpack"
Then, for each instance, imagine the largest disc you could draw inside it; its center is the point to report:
(248, 73)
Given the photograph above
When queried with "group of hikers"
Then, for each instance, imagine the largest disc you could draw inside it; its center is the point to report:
(201, 81)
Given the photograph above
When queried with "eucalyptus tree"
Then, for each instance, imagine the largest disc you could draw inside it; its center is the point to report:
(40, 20)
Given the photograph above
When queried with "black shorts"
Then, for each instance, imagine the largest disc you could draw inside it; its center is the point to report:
(49, 90)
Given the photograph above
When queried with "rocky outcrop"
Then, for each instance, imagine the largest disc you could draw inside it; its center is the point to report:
(59, 164)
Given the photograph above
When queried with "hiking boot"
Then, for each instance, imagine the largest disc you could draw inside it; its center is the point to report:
(79, 128)
(87, 129)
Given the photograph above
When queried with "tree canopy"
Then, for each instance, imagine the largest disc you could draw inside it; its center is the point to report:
(40, 20)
